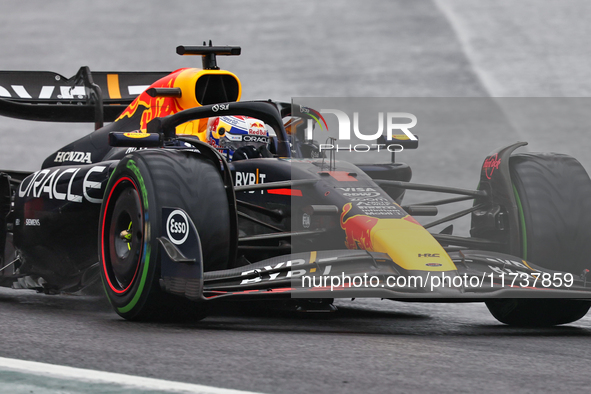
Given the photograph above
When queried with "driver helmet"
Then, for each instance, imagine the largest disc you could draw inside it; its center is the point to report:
(242, 134)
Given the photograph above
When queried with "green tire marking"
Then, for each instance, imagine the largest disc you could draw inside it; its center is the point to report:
(106, 292)
(522, 222)
(110, 177)
(147, 249)
(133, 167)
(138, 293)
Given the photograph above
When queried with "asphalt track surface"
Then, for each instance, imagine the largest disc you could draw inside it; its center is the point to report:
(352, 48)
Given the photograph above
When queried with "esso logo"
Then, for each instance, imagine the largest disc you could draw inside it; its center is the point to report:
(177, 227)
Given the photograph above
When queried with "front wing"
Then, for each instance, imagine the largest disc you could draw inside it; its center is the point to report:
(358, 273)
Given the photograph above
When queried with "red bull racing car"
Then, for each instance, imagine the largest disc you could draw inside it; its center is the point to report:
(189, 197)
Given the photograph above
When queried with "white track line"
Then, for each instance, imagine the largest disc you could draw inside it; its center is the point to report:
(490, 84)
(89, 375)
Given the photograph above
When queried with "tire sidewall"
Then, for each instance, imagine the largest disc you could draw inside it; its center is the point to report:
(131, 302)
(168, 178)
(552, 195)
(554, 209)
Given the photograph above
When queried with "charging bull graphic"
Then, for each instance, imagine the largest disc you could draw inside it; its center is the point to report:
(154, 107)
(357, 229)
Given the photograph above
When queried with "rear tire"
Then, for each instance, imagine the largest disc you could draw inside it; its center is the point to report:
(140, 186)
(553, 193)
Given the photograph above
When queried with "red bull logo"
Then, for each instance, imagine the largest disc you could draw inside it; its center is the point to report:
(257, 128)
(154, 107)
(357, 229)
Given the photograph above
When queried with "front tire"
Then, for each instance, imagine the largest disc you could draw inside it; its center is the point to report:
(537, 312)
(131, 218)
(553, 193)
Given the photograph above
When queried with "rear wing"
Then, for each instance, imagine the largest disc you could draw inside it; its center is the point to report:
(86, 97)
(92, 96)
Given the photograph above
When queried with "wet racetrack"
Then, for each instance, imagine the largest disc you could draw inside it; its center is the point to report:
(351, 48)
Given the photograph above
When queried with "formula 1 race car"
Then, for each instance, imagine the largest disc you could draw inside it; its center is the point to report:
(172, 225)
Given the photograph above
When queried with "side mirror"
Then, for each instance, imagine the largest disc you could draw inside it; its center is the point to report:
(136, 139)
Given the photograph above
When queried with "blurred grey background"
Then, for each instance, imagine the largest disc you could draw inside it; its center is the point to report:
(536, 53)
